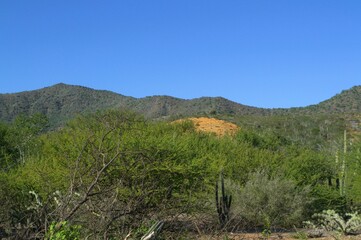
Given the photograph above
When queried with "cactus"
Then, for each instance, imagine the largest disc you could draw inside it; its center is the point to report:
(223, 203)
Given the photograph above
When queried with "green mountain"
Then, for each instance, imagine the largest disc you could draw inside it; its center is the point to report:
(59, 102)
(62, 102)
(348, 101)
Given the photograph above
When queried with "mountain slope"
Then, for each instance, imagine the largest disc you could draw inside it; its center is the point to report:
(59, 102)
(348, 101)
(62, 102)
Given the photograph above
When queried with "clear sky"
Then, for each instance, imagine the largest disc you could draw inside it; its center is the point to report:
(264, 53)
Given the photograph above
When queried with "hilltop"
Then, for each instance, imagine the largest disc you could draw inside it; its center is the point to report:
(59, 102)
(348, 101)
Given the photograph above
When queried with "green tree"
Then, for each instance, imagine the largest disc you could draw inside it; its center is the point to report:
(7, 152)
(116, 165)
(22, 134)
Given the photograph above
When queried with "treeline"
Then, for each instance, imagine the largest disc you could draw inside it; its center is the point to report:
(113, 174)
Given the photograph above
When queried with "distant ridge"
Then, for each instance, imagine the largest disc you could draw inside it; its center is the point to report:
(348, 101)
(61, 102)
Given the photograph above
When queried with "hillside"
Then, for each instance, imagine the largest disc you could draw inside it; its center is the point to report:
(348, 101)
(134, 169)
(59, 102)
(62, 102)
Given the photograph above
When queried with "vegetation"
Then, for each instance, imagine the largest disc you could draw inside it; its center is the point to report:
(331, 221)
(272, 202)
(62, 102)
(129, 176)
(223, 203)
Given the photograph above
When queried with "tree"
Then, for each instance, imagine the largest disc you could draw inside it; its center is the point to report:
(115, 170)
(23, 132)
(7, 152)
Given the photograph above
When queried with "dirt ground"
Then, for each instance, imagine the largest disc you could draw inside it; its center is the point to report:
(274, 236)
(213, 125)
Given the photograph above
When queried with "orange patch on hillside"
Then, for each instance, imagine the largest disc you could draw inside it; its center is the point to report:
(219, 127)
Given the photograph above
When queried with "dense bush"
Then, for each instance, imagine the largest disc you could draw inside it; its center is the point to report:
(118, 171)
(272, 199)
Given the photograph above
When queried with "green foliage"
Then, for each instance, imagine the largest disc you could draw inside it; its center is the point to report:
(307, 167)
(63, 231)
(315, 131)
(266, 232)
(264, 141)
(149, 167)
(8, 201)
(271, 201)
(7, 152)
(19, 139)
(117, 170)
(326, 197)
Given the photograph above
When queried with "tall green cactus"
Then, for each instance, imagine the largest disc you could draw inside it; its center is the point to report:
(223, 203)
(341, 180)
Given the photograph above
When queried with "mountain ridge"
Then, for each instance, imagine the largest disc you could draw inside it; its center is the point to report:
(61, 102)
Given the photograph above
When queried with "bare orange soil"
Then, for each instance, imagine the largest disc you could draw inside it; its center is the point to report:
(219, 127)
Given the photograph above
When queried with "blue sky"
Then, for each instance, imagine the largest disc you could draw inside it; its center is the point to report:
(264, 53)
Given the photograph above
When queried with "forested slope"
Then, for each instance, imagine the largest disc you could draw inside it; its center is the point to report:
(62, 102)
(114, 174)
(111, 173)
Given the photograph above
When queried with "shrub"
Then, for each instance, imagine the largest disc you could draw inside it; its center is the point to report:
(329, 220)
(274, 200)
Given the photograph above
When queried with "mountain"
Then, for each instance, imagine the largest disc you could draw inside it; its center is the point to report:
(59, 102)
(62, 102)
(348, 101)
